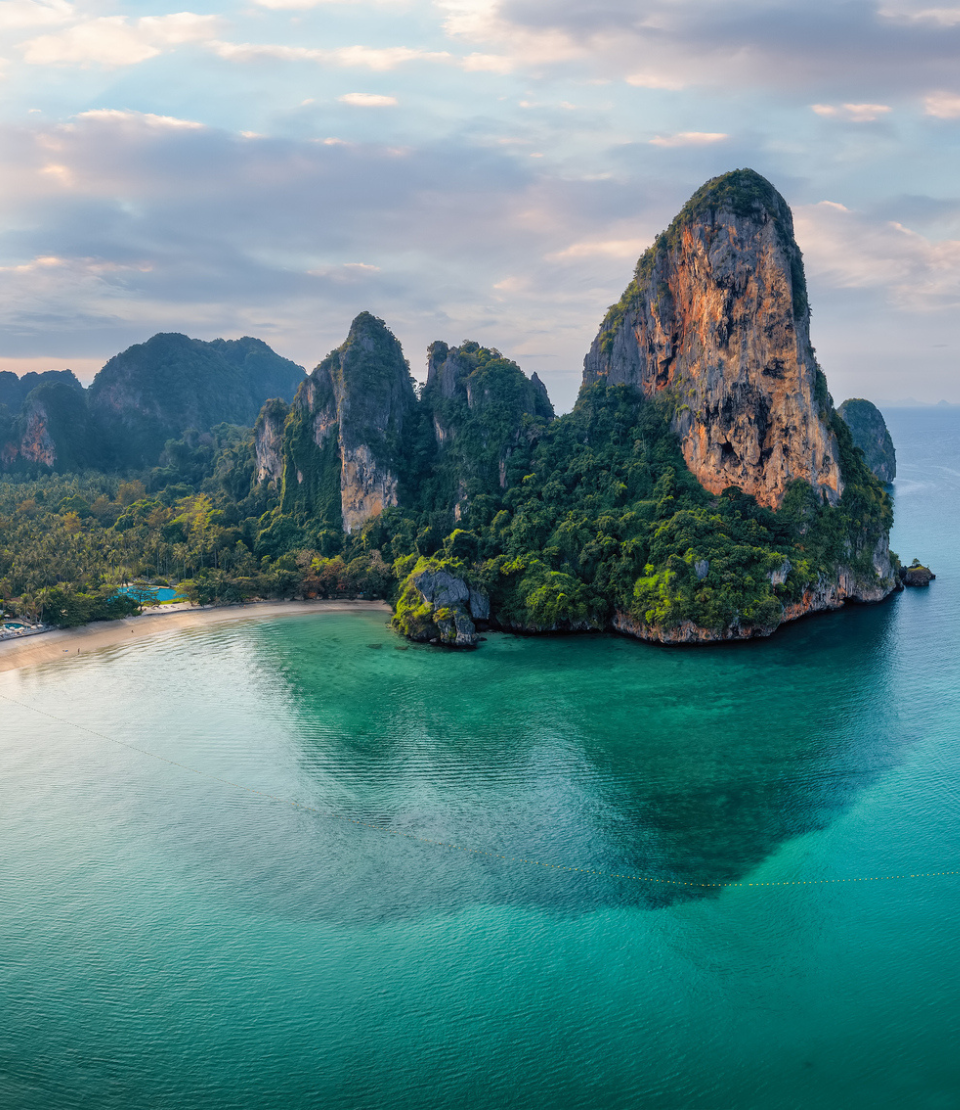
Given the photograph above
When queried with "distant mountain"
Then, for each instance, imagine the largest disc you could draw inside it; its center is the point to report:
(150, 393)
(44, 422)
(14, 390)
(155, 391)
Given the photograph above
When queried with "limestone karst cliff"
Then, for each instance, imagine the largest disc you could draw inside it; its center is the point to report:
(152, 392)
(703, 488)
(268, 441)
(358, 436)
(343, 446)
(870, 434)
(14, 389)
(481, 407)
(716, 317)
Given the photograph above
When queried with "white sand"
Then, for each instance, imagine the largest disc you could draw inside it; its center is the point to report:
(62, 643)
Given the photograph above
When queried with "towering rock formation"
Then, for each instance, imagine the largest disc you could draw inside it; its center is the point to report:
(869, 431)
(344, 441)
(481, 407)
(716, 318)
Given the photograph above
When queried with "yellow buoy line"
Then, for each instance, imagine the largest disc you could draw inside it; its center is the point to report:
(459, 847)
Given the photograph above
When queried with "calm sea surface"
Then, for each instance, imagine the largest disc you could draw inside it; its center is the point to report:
(170, 940)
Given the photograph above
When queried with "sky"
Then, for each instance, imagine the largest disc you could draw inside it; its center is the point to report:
(467, 169)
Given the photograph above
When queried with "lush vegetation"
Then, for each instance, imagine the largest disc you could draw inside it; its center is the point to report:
(69, 543)
(600, 514)
(597, 513)
(485, 409)
(562, 524)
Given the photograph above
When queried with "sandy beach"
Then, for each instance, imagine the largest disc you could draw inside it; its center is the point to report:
(62, 643)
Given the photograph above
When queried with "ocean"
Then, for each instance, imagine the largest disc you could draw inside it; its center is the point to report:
(300, 863)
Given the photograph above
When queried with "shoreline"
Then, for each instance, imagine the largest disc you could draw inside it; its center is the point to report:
(64, 643)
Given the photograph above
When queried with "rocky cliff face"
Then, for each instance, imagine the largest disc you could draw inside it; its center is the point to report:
(869, 431)
(716, 319)
(347, 427)
(14, 390)
(268, 441)
(827, 592)
(480, 378)
(36, 442)
(482, 407)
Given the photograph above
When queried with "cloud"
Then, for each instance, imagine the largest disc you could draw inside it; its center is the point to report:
(376, 58)
(819, 46)
(855, 113)
(851, 250)
(609, 248)
(690, 138)
(942, 105)
(347, 272)
(654, 81)
(368, 100)
(940, 17)
(158, 226)
(303, 5)
(112, 41)
(144, 119)
(77, 266)
(487, 63)
(33, 13)
(483, 21)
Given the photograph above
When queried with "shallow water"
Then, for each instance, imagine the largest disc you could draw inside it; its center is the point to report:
(170, 940)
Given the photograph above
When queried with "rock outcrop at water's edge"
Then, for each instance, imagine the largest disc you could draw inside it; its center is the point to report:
(438, 606)
(845, 586)
(916, 575)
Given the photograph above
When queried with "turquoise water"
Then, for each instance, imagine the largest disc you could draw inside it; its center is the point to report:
(169, 940)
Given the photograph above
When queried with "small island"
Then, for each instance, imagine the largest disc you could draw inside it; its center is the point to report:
(916, 574)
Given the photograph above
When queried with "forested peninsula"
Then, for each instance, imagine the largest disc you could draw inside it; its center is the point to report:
(703, 488)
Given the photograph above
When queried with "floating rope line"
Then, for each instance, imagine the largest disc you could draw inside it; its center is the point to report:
(330, 814)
